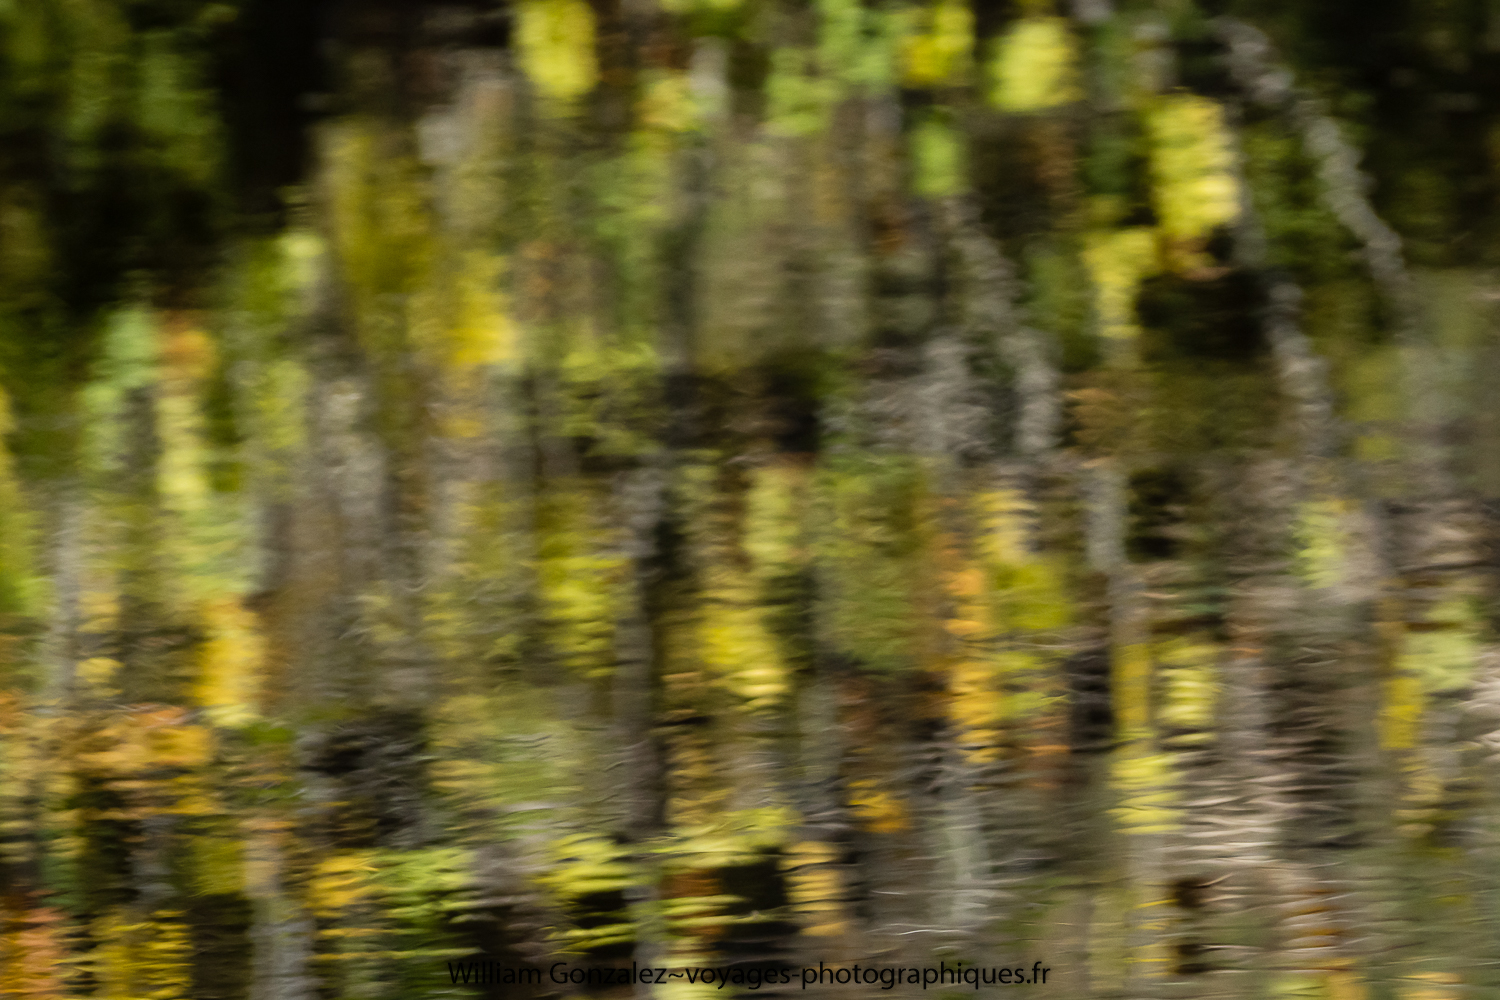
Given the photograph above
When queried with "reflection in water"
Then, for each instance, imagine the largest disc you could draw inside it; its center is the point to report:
(746, 486)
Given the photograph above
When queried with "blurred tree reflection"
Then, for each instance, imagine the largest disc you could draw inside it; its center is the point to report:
(707, 481)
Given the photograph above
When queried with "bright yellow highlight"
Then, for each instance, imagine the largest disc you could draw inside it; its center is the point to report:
(1401, 707)
(999, 677)
(1436, 655)
(482, 331)
(1029, 589)
(1117, 262)
(556, 41)
(340, 882)
(143, 960)
(301, 255)
(976, 706)
(1195, 191)
(877, 810)
(815, 888)
(733, 837)
(1443, 652)
(147, 740)
(741, 651)
(1443, 660)
(229, 679)
(588, 864)
(1321, 542)
(1191, 684)
(98, 672)
(940, 54)
(578, 579)
(1035, 66)
(1192, 174)
(1147, 798)
(1006, 538)
(973, 681)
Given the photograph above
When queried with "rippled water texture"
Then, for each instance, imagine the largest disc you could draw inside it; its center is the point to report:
(733, 485)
